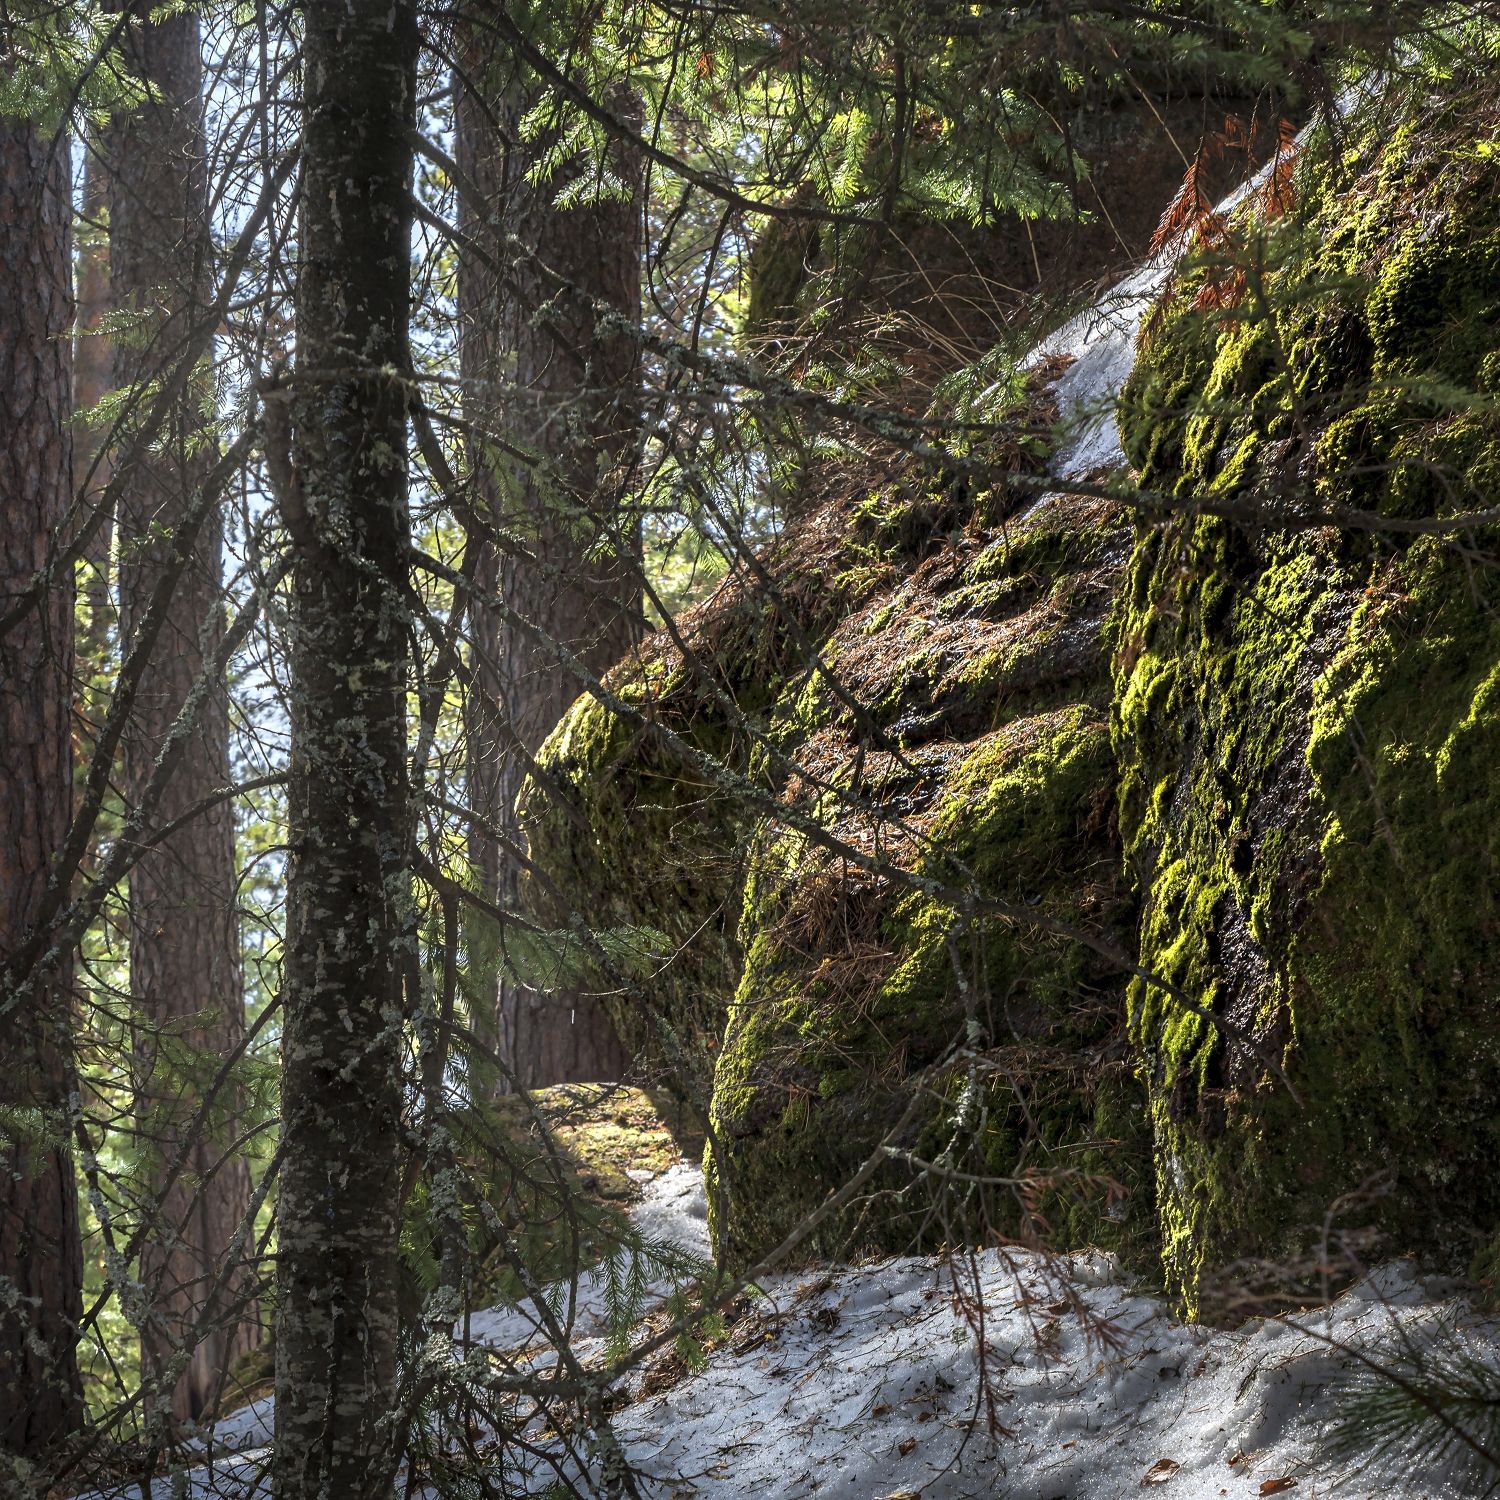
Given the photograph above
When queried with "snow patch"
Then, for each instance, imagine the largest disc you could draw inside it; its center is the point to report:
(1100, 344)
(671, 1210)
(1018, 1375)
(1002, 1374)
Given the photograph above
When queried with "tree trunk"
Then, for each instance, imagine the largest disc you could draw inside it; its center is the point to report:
(542, 373)
(93, 375)
(41, 1261)
(350, 932)
(184, 940)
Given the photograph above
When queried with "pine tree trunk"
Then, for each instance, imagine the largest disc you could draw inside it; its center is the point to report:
(41, 1262)
(350, 934)
(185, 968)
(541, 372)
(93, 376)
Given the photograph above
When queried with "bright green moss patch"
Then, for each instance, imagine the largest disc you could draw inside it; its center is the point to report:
(1306, 727)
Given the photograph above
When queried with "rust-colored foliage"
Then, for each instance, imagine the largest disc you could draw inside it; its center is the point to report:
(1278, 193)
(1193, 206)
(1192, 221)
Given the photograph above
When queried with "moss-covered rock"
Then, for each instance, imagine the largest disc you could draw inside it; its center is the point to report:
(626, 831)
(877, 1004)
(983, 753)
(861, 997)
(927, 689)
(620, 830)
(1306, 722)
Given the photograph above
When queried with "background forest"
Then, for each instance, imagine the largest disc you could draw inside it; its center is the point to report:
(871, 624)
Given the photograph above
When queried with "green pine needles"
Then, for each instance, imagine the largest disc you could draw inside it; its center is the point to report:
(1434, 1401)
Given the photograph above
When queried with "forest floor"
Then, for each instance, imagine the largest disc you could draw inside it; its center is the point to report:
(1004, 1373)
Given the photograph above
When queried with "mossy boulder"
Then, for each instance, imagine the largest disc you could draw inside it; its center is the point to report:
(624, 828)
(933, 997)
(881, 911)
(984, 753)
(1306, 719)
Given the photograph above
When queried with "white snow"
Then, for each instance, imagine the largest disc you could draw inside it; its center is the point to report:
(671, 1210)
(868, 1384)
(1100, 342)
(855, 1383)
(248, 1428)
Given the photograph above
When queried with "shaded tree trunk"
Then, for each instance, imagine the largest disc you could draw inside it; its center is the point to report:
(184, 940)
(542, 372)
(93, 374)
(41, 1261)
(350, 932)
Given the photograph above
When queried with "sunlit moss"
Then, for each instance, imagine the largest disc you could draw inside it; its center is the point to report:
(1305, 723)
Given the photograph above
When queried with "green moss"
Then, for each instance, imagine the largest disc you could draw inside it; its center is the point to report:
(854, 987)
(840, 992)
(630, 837)
(1051, 542)
(786, 253)
(625, 832)
(1305, 724)
(1406, 923)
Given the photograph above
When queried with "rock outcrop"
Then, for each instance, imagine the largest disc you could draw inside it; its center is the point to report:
(1126, 867)
(1305, 714)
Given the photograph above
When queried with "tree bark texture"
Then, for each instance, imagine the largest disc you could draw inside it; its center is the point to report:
(543, 373)
(350, 928)
(41, 1261)
(185, 970)
(93, 374)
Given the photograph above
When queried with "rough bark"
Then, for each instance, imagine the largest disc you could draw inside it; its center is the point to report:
(184, 942)
(349, 923)
(543, 374)
(93, 371)
(41, 1263)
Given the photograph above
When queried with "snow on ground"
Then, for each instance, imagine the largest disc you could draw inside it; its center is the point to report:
(1099, 344)
(671, 1210)
(865, 1383)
